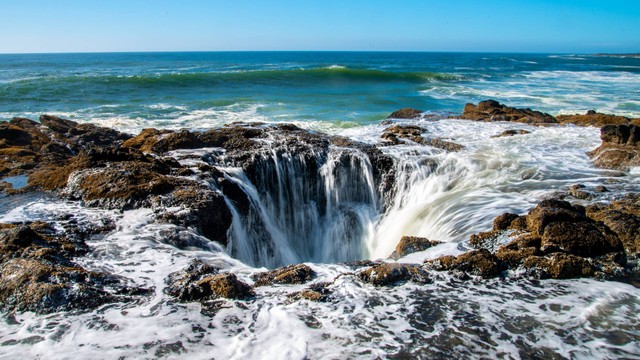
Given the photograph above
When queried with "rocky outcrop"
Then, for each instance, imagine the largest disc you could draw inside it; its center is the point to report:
(388, 274)
(37, 273)
(555, 239)
(292, 274)
(620, 147)
(509, 133)
(406, 113)
(491, 110)
(593, 118)
(408, 134)
(201, 282)
(411, 244)
(477, 262)
(623, 218)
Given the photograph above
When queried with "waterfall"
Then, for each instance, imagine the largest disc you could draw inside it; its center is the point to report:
(316, 205)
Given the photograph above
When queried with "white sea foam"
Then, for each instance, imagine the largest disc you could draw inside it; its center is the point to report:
(509, 318)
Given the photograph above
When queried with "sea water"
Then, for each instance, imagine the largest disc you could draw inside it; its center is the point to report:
(347, 94)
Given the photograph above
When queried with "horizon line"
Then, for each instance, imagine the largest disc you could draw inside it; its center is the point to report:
(310, 51)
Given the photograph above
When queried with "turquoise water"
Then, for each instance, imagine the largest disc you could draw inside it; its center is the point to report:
(336, 89)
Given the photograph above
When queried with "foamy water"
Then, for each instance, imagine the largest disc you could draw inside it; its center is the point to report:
(456, 195)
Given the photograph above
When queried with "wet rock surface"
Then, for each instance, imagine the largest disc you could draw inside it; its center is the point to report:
(292, 274)
(37, 273)
(620, 148)
(406, 113)
(593, 118)
(389, 274)
(406, 134)
(491, 110)
(201, 282)
(556, 240)
(509, 133)
(411, 244)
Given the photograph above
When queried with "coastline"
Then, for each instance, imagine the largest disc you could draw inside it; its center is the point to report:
(188, 183)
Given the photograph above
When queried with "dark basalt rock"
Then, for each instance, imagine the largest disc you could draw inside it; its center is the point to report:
(491, 110)
(389, 274)
(201, 282)
(37, 273)
(623, 218)
(405, 134)
(508, 133)
(411, 244)
(477, 262)
(406, 113)
(593, 118)
(292, 274)
(559, 240)
(559, 266)
(620, 147)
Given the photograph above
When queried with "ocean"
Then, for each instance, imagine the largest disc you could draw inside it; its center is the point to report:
(441, 195)
(327, 90)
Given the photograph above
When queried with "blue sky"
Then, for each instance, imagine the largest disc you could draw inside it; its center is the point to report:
(402, 25)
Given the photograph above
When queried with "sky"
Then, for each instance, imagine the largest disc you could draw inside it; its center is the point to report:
(558, 26)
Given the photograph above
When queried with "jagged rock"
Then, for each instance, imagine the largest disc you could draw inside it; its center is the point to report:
(584, 238)
(37, 273)
(201, 282)
(578, 191)
(623, 218)
(292, 274)
(593, 118)
(318, 292)
(388, 274)
(443, 145)
(396, 133)
(399, 134)
(559, 266)
(200, 208)
(411, 244)
(476, 262)
(514, 253)
(620, 147)
(491, 110)
(508, 133)
(406, 113)
(509, 221)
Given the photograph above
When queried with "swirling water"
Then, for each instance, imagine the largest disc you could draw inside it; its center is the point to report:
(444, 196)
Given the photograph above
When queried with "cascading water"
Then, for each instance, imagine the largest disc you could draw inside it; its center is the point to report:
(315, 205)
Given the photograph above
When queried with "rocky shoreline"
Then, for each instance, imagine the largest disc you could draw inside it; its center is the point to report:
(161, 170)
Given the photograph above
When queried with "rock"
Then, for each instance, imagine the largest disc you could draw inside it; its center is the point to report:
(508, 133)
(559, 266)
(514, 253)
(443, 145)
(623, 218)
(200, 208)
(395, 134)
(620, 147)
(389, 274)
(491, 110)
(318, 292)
(585, 238)
(548, 211)
(406, 113)
(201, 282)
(405, 134)
(593, 118)
(37, 273)
(476, 262)
(412, 244)
(292, 274)
(509, 221)
(578, 191)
